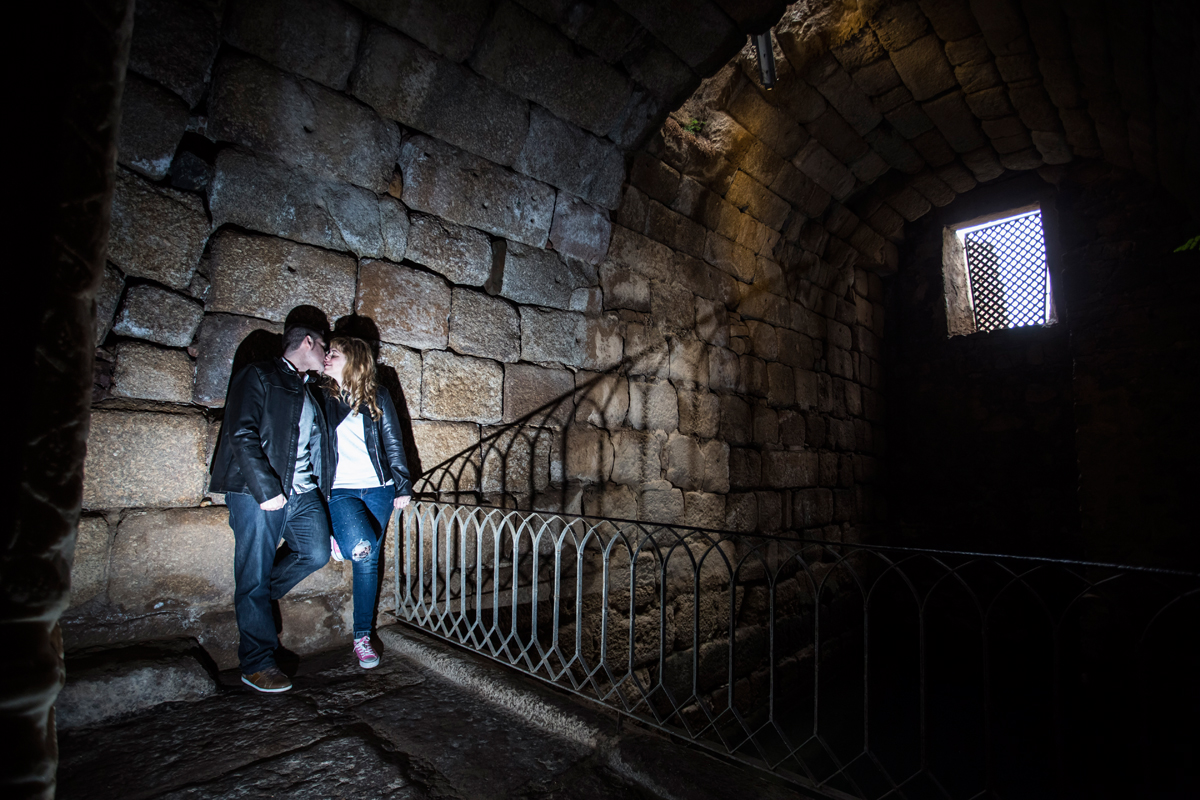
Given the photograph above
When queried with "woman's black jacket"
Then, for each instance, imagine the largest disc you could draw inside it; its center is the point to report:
(385, 445)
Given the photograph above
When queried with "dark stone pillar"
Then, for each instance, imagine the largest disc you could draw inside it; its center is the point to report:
(68, 119)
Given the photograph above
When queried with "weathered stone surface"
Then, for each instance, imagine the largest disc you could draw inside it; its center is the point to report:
(689, 362)
(671, 306)
(265, 277)
(315, 39)
(152, 123)
(661, 502)
(757, 200)
(824, 169)
(533, 276)
(146, 372)
(462, 254)
(789, 469)
(704, 510)
(741, 512)
(174, 43)
(637, 457)
(89, 565)
(601, 400)
(638, 253)
(484, 326)
(653, 406)
(144, 460)
(528, 388)
(406, 82)
(531, 59)
(99, 690)
(157, 315)
(449, 27)
(589, 300)
(812, 508)
(781, 385)
(461, 388)
(217, 343)
(442, 180)
(438, 442)
(311, 127)
(520, 460)
(624, 288)
(156, 233)
(699, 413)
(701, 38)
(646, 351)
(562, 155)
(408, 367)
(108, 294)
(924, 68)
(730, 257)
(765, 425)
(178, 555)
(769, 124)
(603, 345)
(589, 455)
(724, 369)
(955, 121)
(684, 462)
(579, 230)
(558, 336)
(716, 466)
(262, 193)
(409, 307)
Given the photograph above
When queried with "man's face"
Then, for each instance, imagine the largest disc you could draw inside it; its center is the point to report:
(313, 355)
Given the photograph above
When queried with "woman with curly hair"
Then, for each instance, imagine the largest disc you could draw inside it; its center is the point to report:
(371, 476)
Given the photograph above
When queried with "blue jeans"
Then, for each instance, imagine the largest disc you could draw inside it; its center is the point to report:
(258, 579)
(360, 517)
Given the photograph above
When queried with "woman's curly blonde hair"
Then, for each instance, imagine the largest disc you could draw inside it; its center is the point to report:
(358, 386)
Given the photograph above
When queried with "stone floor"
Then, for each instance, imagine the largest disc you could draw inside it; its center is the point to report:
(418, 726)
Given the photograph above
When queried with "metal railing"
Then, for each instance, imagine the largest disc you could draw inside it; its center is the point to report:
(848, 669)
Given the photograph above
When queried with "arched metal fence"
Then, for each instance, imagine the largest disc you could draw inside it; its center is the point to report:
(849, 669)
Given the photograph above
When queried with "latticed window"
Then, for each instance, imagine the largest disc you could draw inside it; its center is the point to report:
(1006, 269)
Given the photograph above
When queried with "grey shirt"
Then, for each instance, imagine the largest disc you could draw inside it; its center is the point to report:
(308, 443)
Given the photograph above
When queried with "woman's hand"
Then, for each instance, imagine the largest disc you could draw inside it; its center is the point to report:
(402, 501)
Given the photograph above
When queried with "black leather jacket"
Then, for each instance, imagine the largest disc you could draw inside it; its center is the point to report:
(256, 451)
(385, 444)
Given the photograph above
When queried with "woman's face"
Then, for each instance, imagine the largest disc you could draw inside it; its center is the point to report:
(335, 362)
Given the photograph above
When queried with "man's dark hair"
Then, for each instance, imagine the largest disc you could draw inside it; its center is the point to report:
(293, 337)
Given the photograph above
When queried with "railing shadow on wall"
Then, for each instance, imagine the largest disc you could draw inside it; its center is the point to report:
(849, 669)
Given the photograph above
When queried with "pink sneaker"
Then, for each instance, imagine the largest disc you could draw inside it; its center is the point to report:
(335, 552)
(367, 657)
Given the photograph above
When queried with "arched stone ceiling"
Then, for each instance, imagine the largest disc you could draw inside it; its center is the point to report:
(884, 110)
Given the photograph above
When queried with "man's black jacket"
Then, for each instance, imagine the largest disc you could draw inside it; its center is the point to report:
(256, 452)
(385, 445)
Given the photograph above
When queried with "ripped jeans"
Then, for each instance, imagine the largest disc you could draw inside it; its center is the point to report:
(359, 518)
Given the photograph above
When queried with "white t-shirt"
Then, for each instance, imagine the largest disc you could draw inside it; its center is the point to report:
(354, 467)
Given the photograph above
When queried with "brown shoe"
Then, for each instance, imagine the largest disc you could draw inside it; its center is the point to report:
(268, 680)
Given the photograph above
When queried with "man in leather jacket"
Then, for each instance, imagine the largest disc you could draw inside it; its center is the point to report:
(274, 462)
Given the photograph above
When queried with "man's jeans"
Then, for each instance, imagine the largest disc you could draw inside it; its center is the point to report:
(304, 524)
(359, 519)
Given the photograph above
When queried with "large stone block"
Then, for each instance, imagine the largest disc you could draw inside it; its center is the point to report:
(601, 400)
(152, 123)
(449, 27)
(174, 43)
(735, 424)
(265, 277)
(637, 457)
(455, 445)
(824, 169)
(443, 180)
(408, 307)
(146, 372)
(316, 39)
(144, 460)
(217, 343)
(529, 388)
(461, 388)
(637, 253)
(178, 556)
(462, 254)
(760, 202)
(603, 344)
(408, 368)
(588, 455)
(771, 125)
(557, 336)
(699, 413)
(789, 469)
(533, 276)
(408, 83)
(689, 362)
(684, 462)
(579, 230)
(521, 461)
(624, 288)
(716, 466)
(156, 233)
(531, 59)
(484, 326)
(565, 156)
(730, 257)
(661, 502)
(724, 370)
(157, 315)
(704, 510)
(89, 565)
(923, 67)
(263, 193)
(653, 406)
(646, 351)
(308, 125)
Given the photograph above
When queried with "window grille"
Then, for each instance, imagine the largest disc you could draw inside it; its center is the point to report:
(1006, 264)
